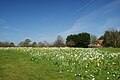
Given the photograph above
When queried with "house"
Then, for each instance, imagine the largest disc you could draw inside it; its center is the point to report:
(98, 45)
(100, 41)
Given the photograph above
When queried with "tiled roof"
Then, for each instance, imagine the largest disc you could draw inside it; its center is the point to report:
(100, 41)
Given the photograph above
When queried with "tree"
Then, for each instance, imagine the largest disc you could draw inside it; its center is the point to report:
(112, 38)
(7, 44)
(34, 44)
(25, 43)
(71, 43)
(59, 42)
(21, 44)
(72, 38)
(81, 39)
(41, 44)
(93, 39)
(0, 44)
(46, 43)
(12, 44)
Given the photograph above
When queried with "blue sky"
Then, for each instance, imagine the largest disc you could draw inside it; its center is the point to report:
(41, 20)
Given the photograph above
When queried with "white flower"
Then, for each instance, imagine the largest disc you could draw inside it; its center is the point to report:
(86, 71)
(114, 75)
(75, 74)
(93, 78)
(67, 70)
(107, 77)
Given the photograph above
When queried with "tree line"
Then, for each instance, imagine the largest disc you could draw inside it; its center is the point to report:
(78, 40)
(59, 42)
(111, 38)
(6, 44)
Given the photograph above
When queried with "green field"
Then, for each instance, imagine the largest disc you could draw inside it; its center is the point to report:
(59, 64)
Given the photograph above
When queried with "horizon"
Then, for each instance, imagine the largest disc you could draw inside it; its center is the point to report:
(40, 20)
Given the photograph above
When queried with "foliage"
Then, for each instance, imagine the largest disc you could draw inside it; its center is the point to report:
(112, 38)
(34, 44)
(25, 43)
(81, 39)
(6, 44)
(41, 44)
(71, 43)
(101, 37)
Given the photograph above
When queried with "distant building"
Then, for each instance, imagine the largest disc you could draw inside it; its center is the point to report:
(100, 41)
(98, 45)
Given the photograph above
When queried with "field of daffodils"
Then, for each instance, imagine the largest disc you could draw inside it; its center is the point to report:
(83, 63)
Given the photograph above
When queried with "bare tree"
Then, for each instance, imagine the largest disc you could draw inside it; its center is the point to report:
(93, 39)
(112, 38)
(59, 42)
(71, 43)
(41, 44)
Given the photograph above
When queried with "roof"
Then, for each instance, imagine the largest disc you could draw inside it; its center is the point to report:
(100, 41)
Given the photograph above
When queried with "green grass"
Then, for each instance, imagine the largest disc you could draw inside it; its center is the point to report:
(17, 66)
(111, 50)
(27, 64)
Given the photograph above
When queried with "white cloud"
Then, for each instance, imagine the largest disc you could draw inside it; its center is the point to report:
(94, 22)
(84, 6)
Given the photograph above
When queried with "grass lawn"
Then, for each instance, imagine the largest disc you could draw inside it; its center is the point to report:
(111, 50)
(17, 66)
